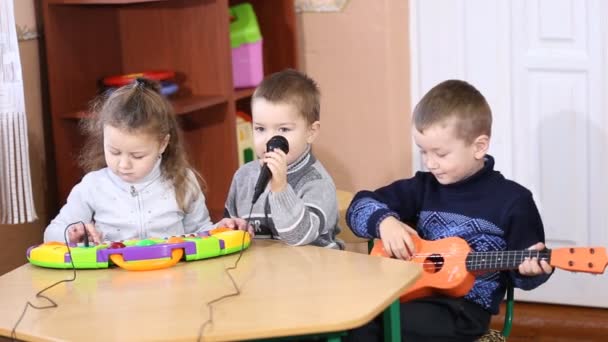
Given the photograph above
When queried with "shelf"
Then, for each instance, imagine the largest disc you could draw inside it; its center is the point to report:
(185, 105)
(88, 39)
(243, 93)
(81, 114)
(182, 105)
(99, 2)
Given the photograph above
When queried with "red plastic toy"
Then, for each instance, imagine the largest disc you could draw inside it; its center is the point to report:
(121, 80)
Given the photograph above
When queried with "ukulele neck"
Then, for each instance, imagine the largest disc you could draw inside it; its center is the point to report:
(503, 260)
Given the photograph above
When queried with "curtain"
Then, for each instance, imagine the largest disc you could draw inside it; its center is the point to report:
(16, 200)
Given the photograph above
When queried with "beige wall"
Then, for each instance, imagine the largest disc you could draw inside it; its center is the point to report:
(25, 14)
(16, 238)
(360, 58)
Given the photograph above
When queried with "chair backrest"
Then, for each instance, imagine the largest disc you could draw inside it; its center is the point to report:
(346, 235)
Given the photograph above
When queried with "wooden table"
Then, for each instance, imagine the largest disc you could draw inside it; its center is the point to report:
(285, 291)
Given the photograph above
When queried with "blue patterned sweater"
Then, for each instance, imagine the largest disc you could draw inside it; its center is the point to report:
(487, 210)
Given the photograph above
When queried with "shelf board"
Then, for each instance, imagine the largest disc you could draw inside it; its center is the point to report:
(81, 114)
(182, 105)
(243, 93)
(99, 2)
(185, 105)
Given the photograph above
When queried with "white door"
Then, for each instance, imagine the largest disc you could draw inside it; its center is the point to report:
(542, 66)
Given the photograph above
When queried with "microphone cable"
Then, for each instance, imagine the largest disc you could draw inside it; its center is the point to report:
(237, 290)
(39, 294)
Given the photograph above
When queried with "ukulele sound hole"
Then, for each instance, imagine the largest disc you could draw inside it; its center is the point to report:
(433, 264)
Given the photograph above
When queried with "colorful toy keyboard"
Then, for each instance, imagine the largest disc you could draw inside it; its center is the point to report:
(141, 255)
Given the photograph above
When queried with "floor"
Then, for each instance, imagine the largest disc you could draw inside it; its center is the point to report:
(559, 323)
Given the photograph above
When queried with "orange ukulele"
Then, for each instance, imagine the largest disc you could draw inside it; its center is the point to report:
(449, 266)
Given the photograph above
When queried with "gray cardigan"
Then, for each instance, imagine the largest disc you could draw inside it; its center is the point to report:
(306, 212)
(123, 211)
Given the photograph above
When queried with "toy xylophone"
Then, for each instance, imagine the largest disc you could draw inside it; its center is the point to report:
(141, 255)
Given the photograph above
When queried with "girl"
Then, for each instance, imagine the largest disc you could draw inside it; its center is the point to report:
(139, 183)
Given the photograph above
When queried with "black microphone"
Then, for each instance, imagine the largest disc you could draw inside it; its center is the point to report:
(277, 141)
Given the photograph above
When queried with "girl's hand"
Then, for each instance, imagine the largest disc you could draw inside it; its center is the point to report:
(277, 163)
(396, 238)
(236, 223)
(532, 267)
(76, 233)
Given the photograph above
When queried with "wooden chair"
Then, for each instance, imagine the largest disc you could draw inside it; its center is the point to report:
(391, 317)
(347, 235)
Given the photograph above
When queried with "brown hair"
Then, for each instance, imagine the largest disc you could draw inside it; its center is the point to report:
(140, 108)
(293, 87)
(455, 99)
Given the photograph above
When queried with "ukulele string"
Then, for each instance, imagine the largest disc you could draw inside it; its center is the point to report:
(540, 255)
(482, 254)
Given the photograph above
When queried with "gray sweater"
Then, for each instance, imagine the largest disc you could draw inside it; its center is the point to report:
(123, 211)
(306, 212)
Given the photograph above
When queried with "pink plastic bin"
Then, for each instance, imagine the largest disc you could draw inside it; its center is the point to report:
(247, 66)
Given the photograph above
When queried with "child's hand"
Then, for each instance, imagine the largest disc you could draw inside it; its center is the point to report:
(76, 233)
(531, 267)
(277, 163)
(236, 223)
(396, 238)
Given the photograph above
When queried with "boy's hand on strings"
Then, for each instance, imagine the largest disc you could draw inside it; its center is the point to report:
(396, 238)
(277, 163)
(532, 266)
(76, 233)
(236, 223)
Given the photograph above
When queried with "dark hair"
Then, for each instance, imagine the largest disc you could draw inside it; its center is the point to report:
(139, 108)
(293, 87)
(455, 99)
